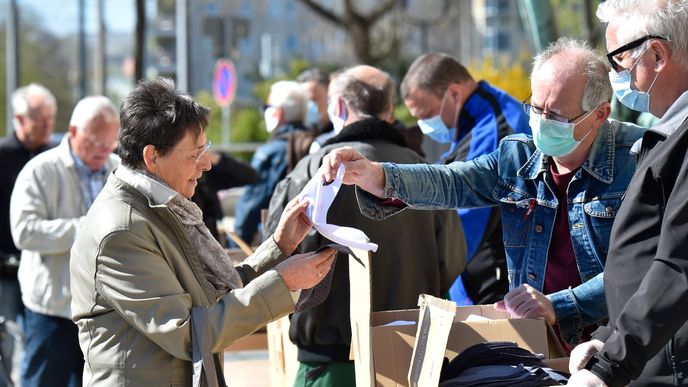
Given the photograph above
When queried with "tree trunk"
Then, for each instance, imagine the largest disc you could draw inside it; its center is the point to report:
(356, 24)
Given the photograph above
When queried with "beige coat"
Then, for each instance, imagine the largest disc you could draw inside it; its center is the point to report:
(135, 280)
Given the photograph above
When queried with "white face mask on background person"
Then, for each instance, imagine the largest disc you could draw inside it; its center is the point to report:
(271, 120)
(435, 128)
(554, 138)
(336, 120)
(632, 99)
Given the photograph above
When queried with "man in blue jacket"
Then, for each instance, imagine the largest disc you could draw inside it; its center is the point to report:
(284, 113)
(558, 191)
(473, 117)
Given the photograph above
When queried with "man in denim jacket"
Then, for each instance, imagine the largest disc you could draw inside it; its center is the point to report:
(555, 254)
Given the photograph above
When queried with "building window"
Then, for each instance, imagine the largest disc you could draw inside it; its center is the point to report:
(498, 41)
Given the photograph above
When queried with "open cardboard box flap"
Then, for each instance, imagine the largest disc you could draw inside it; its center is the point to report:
(382, 352)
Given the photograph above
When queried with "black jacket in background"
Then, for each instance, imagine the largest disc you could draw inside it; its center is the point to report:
(227, 173)
(646, 274)
(13, 157)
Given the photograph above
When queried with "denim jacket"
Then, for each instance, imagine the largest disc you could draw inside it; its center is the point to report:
(516, 177)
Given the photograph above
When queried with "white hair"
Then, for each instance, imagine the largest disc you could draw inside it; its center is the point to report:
(291, 97)
(91, 107)
(21, 96)
(595, 69)
(637, 18)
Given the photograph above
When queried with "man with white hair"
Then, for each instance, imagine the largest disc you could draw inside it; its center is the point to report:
(34, 111)
(645, 341)
(52, 194)
(285, 112)
(558, 190)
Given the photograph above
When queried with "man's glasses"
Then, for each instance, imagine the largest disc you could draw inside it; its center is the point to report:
(92, 142)
(196, 156)
(532, 109)
(629, 46)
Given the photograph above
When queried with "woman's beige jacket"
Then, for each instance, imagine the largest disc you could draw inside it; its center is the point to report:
(135, 279)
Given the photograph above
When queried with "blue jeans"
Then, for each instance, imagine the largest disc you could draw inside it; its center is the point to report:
(52, 356)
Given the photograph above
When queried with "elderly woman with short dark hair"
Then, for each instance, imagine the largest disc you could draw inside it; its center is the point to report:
(152, 289)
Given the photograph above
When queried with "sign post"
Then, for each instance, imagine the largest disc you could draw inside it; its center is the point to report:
(224, 90)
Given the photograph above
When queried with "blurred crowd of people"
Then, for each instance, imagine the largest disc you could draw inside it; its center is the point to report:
(114, 270)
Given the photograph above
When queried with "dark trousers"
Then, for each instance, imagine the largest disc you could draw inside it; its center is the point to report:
(11, 341)
(52, 356)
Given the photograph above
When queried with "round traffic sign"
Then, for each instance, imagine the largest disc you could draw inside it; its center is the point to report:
(224, 82)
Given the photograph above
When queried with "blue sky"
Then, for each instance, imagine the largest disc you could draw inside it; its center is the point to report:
(61, 16)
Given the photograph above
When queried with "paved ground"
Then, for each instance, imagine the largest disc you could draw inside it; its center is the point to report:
(247, 368)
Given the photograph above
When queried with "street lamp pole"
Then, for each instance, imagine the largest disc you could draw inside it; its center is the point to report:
(11, 59)
(182, 59)
(82, 49)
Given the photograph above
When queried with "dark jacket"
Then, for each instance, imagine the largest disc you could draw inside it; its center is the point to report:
(270, 161)
(227, 173)
(488, 115)
(420, 251)
(13, 157)
(646, 276)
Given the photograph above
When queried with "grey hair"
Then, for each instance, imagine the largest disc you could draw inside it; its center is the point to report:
(290, 96)
(637, 18)
(595, 69)
(314, 74)
(91, 107)
(20, 98)
(364, 99)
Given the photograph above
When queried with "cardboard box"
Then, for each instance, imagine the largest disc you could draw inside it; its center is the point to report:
(382, 353)
(282, 354)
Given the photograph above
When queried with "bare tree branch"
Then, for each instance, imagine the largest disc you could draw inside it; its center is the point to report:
(357, 24)
(381, 10)
(324, 12)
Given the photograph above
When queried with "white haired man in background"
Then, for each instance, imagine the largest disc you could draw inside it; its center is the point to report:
(34, 110)
(51, 196)
(285, 112)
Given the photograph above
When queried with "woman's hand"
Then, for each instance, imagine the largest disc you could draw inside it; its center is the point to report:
(303, 271)
(293, 226)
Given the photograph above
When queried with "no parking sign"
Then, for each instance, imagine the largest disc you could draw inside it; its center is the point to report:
(224, 82)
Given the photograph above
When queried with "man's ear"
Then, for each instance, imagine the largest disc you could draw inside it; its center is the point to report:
(454, 91)
(72, 131)
(279, 115)
(661, 54)
(150, 157)
(603, 112)
(20, 119)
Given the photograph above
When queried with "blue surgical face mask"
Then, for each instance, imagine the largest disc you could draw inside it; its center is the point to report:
(312, 114)
(632, 99)
(555, 138)
(336, 120)
(436, 129)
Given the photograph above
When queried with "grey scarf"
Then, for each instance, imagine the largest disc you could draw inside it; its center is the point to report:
(217, 266)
